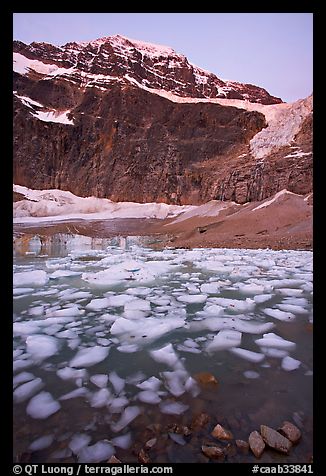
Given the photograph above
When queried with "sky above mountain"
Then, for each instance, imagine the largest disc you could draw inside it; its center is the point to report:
(270, 50)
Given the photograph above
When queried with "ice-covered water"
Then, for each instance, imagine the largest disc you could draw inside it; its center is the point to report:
(108, 340)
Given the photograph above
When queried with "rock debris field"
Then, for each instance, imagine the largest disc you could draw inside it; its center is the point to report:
(135, 354)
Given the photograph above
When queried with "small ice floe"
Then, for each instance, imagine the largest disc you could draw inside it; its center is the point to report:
(210, 288)
(89, 356)
(141, 291)
(225, 339)
(290, 292)
(192, 298)
(274, 353)
(137, 304)
(36, 311)
(62, 273)
(251, 289)
(152, 383)
(120, 300)
(42, 406)
(165, 355)
(41, 443)
(30, 278)
(117, 382)
(173, 408)
(117, 404)
(26, 390)
(262, 298)
(41, 347)
(71, 311)
(69, 295)
(98, 304)
(148, 396)
(67, 373)
(22, 378)
(123, 441)
(79, 441)
(21, 364)
(128, 348)
(275, 341)
(288, 363)
(175, 381)
(292, 308)
(25, 328)
(100, 380)
(78, 392)
(21, 291)
(280, 315)
(211, 309)
(101, 451)
(177, 438)
(144, 330)
(235, 305)
(248, 355)
(251, 374)
(100, 398)
(128, 415)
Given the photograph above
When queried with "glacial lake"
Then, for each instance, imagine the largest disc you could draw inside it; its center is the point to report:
(113, 341)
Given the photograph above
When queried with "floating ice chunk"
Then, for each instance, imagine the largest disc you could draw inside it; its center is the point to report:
(26, 390)
(192, 387)
(248, 354)
(41, 443)
(67, 295)
(42, 406)
(79, 441)
(145, 329)
(288, 363)
(128, 349)
(175, 381)
(141, 291)
(89, 356)
(100, 398)
(152, 384)
(36, 311)
(292, 308)
(262, 298)
(123, 441)
(67, 373)
(191, 350)
(117, 404)
(210, 288)
(213, 309)
(137, 305)
(177, 438)
(235, 305)
(249, 289)
(40, 347)
(98, 304)
(274, 353)
(30, 278)
(103, 342)
(73, 343)
(67, 334)
(117, 382)
(78, 392)
(134, 314)
(290, 292)
(23, 328)
(22, 378)
(173, 408)
(273, 340)
(251, 374)
(148, 396)
(252, 327)
(61, 273)
(192, 298)
(225, 339)
(20, 291)
(71, 311)
(280, 315)
(21, 364)
(165, 355)
(101, 451)
(128, 415)
(120, 300)
(100, 380)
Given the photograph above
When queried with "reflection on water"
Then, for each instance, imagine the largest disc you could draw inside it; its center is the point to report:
(157, 313)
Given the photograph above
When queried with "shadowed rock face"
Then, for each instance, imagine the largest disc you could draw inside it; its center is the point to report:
(123, 142)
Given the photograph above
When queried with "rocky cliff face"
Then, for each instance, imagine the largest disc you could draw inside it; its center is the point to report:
(131, 121)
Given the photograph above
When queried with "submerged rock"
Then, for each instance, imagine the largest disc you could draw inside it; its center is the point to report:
(113, 459)
(242, 445)
(199, 421)
(256, 444)
(275, 440)
(212, 451)
(221, 433)
(290, 431)
(205, 378)
(143, 457)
